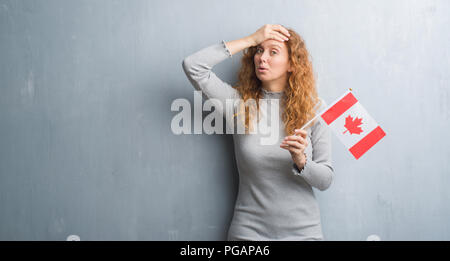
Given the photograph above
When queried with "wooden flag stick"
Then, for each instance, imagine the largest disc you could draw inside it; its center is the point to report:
(309, 122)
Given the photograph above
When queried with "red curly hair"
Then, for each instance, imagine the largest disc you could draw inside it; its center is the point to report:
(300, 97)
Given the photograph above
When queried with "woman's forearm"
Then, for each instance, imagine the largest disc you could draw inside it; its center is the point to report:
(240, 44)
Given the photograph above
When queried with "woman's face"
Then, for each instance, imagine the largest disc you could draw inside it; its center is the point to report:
(271, 60)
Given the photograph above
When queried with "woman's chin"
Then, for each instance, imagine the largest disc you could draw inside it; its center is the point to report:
(262, 78)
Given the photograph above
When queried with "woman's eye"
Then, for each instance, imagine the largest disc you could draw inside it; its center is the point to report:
(261, 50)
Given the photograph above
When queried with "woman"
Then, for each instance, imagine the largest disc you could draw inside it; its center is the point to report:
(275, 199)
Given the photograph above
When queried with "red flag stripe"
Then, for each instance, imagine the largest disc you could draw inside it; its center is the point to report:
(340, 107)
(367, 142)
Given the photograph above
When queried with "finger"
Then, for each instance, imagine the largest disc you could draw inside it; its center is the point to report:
(302, 133)
(283, 30)
(293, 150)
(294, 144)
(279, 34)
(284, 146)
(277, 37)
(297, 138)
(282, 36)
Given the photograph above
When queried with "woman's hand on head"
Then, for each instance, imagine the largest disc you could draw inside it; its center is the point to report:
(296, 145)
(270, 31)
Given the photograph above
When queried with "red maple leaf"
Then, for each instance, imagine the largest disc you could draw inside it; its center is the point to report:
(353, 125)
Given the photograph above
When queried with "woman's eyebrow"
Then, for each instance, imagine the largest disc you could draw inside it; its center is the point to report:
(276, 45)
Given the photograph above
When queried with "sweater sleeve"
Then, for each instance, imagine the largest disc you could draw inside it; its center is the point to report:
(198, 69)
(318, 171)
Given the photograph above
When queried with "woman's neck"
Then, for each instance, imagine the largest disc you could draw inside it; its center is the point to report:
(277, 85)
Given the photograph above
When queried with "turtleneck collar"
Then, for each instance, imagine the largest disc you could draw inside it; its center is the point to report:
(272, 94)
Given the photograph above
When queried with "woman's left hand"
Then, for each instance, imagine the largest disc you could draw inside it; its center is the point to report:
(296, 145)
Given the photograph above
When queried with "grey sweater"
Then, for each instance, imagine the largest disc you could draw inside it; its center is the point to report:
(275, 200)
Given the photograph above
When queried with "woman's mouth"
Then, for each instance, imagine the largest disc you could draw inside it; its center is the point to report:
(262, 69)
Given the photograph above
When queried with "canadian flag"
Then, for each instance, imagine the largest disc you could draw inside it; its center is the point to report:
(352, 124)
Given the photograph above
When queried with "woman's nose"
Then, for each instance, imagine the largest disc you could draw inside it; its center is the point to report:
(264, 57)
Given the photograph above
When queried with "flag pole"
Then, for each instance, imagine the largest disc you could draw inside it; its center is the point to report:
(309, 122)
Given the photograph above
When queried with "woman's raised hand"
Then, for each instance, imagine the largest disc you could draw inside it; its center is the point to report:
(270, 31)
